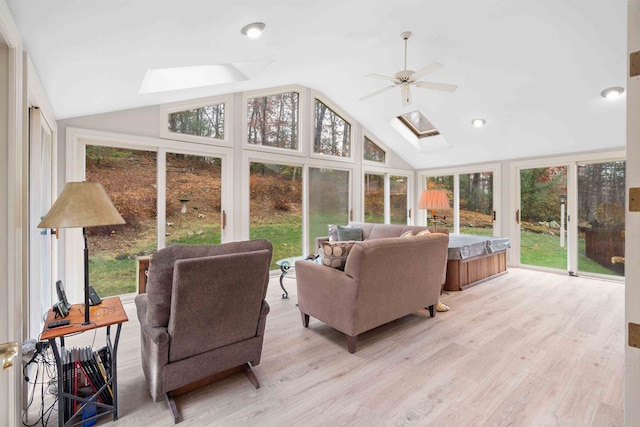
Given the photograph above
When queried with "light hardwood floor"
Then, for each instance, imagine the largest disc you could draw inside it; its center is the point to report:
(524, 349)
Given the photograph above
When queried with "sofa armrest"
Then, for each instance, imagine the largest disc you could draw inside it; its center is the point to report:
(327, 294)
(319, 241)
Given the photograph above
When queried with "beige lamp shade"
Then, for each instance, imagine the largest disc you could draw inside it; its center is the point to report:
(81, 204)
(434, 199)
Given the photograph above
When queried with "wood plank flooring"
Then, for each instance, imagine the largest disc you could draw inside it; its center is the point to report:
(523, 349)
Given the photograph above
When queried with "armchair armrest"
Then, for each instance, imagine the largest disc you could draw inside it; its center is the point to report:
(157, 334)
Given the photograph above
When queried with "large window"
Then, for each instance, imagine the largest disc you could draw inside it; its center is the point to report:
(207, 121)
(129, 178)
(332, 134)
(276, 208)
(273, 120)
(444, 217)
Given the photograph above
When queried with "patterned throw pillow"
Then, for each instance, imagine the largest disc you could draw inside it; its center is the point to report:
(334, 254)
(349, 233)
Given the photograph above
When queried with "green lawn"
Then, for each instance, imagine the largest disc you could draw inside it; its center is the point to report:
(114, 277)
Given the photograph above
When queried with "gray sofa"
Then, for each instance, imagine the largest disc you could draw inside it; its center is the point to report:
(204, 313)
(385, 277)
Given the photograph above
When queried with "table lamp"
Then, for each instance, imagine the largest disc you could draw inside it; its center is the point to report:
(82, 204)
(434, 200)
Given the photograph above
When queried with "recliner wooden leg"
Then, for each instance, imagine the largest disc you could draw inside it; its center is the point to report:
(351, 343)
(305, 319)
(252, 377)
(173, 408)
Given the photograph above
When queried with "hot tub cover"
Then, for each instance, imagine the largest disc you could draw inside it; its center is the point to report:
(463, 246)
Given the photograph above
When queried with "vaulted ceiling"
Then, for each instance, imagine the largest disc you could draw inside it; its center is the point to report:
(534, 69)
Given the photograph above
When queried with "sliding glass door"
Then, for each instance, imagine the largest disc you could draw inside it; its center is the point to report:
(601, 222)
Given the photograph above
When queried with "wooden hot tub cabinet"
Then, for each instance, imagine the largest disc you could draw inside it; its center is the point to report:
(465, 273)
(473, 259)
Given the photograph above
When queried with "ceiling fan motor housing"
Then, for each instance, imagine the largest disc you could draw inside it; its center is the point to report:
(404, 76)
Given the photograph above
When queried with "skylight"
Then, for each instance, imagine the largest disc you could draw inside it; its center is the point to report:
(165, 79)
(418, 124)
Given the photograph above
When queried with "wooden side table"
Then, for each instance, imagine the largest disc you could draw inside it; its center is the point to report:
(109, 312)
(142, 270)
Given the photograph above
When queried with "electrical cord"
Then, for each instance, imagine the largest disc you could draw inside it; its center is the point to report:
(45, 362)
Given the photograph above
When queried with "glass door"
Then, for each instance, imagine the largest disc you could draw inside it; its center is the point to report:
(193, 199)
(601, 222)
(328, 201)
(41, 280)
(542, 217)
(398, 199)
(275, 211)
(476, 203)
(374, 198)
(129, 178)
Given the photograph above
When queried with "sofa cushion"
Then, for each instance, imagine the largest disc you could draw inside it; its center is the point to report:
(334, 254)
(348, 233)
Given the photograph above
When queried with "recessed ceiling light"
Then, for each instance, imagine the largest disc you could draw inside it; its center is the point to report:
(479, 122)
(612, 92)
(253, 30)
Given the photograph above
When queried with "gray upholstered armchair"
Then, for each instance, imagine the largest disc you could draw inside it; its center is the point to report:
(204, 313)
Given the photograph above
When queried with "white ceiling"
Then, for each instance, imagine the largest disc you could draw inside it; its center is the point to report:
(534, 69)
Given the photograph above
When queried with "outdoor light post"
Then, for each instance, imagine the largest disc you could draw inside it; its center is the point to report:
(563, 199)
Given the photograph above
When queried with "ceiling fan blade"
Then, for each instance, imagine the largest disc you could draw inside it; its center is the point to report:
(406, 95)
(377, 92)
(426, 70)
(380, 76)
(437, 86)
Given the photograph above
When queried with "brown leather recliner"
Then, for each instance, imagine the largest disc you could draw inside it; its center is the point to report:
(204, 313)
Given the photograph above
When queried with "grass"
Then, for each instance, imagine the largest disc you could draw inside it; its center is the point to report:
(111, 276)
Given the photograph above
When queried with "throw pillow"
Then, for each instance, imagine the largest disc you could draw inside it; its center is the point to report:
(349, 233)
(333, 233)
(335, 254)
(408, 233)
(423, 233)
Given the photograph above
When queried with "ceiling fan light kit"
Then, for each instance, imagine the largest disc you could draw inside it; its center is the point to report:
(478, 122)
(407, 78)
(612, 92)
(253, 30)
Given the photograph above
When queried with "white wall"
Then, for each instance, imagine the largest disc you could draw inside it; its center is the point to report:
(632, 248)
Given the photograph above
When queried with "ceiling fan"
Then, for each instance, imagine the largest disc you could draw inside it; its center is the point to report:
(406, 78)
